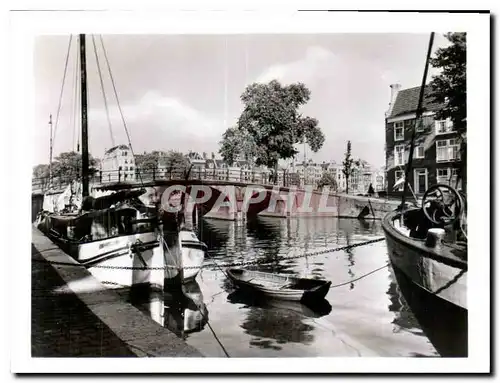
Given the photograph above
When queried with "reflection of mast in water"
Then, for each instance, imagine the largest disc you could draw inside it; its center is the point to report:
(184, 310)
(350, 259)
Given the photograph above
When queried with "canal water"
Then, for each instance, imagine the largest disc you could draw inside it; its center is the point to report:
(367, 317)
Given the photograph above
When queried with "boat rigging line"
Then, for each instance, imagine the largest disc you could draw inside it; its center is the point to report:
(418, 116)
(75, 106)
(103, 93)
(118, 104)
(62, 89)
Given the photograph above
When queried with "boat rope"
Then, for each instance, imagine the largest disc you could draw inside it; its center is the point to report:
(361, 277)
(110, 127)
(74, 113)
(213, 332)
(62, 89)
(225, 265)
(118, 104)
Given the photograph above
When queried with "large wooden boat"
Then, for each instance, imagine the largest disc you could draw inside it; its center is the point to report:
(427, 245)
(430, 265)
(115, 236)
(184, 265)
(280, 286)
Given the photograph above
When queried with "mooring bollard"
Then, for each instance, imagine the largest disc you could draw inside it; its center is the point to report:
(434, 238)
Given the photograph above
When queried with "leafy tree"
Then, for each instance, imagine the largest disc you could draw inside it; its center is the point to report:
(450, 89)
(270, 125)
(41, 175)
(349, 165)
(147, 162)
(237, 143)
(68, 166)
(41, 171)
(176, 163)
(327, 179)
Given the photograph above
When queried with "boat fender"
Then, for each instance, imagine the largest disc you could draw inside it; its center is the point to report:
(434, 237)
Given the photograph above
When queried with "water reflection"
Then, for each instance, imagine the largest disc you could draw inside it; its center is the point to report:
(403, 317)
(371, 311)
(312, 310)
(181, 309)
(273, 323)
(185, 311)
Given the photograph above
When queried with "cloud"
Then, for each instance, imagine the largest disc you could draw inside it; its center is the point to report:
(157, 122)
(315, 64)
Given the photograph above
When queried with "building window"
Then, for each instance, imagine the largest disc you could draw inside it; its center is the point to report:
(399, 153)
(447, 176)
(126, 161)
(419, 152)
(447, 150)
(124, 154)
(399, 131)
(131, 168)
(442, 176)
(419, 125)
(119, 168)
(444, 126)
(399, 174)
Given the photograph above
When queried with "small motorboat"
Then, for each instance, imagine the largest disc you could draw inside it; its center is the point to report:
(280, 286)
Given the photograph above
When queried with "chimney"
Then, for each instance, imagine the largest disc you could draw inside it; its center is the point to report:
(204, 155)
(395, 88)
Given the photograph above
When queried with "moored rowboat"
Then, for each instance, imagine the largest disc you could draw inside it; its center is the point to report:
(280, 286)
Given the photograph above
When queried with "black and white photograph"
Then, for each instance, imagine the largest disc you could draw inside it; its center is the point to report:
(291, 192)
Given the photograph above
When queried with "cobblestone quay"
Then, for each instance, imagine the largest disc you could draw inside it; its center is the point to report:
(97, 324)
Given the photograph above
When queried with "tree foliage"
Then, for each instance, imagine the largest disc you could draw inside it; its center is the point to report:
(41, 171)
(237, 143)
(147, 162)
(350, 165)
(327, 179)
(271, 124)
(176, 163)
(68, 166)
(450, 88)
(173, 163)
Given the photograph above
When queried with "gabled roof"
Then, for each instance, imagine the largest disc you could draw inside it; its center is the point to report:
(407, 101)
(120, 147)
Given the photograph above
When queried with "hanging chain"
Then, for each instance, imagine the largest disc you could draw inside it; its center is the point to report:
(225, 265)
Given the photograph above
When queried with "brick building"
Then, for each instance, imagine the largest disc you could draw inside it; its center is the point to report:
(436, 156)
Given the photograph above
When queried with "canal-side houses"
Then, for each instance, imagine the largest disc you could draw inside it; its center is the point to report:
(118, 164)
(436, 156)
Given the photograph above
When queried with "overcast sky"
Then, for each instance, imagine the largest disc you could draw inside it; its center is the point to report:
(182, 91)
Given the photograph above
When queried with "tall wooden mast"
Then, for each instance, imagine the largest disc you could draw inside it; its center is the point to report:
(417, 118)
(85, 148)
(50, 151)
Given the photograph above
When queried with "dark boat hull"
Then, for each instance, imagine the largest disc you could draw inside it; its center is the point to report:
(435, 291)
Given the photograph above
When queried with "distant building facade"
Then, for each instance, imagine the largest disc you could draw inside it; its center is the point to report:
(118, 164)
(436, 157)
